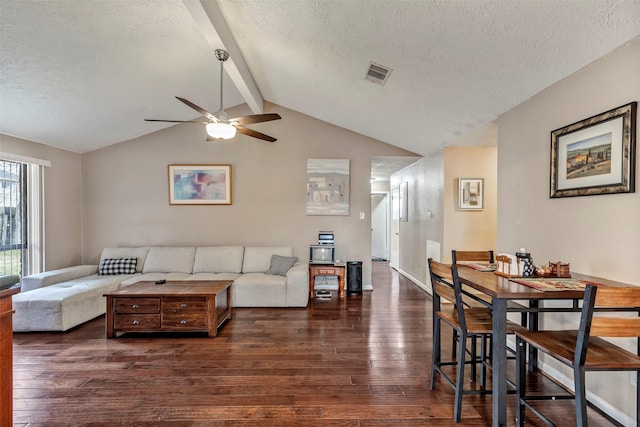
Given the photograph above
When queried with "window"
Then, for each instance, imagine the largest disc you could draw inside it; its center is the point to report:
(13, 220)
(21, 215)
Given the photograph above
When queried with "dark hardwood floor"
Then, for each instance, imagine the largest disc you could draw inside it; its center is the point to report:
(362, 361)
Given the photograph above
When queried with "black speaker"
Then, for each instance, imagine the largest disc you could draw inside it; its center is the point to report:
(354, 277)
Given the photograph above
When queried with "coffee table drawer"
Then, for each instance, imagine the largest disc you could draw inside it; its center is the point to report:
(135, 322)
(178, 305)
(137, 305)
(184, 321)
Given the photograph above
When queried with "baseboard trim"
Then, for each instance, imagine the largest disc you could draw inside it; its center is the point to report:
(602, 405)
(416, 282)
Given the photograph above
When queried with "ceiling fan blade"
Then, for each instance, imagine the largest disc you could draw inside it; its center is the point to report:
(255, 134)
(256, 118)
(198, 109)
(176, 121)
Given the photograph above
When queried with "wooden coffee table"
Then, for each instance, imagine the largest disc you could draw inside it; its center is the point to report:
(174, 306)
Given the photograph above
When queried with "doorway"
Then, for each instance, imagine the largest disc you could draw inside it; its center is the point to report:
(379, 228)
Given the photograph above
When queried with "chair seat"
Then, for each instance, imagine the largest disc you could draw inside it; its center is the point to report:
(601, 354)
(583, 350)
(479, 320)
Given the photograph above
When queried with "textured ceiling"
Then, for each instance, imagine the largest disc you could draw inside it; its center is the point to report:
(81, 75)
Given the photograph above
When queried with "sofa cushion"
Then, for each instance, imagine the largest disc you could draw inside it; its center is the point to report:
(257, 259)
(152, 277)
(169, 260)
(51, 277)
(63, 305)
(113, 266)
(213, 276)
(281, 264)
(259, 290)
(218, 259)
(140, 253)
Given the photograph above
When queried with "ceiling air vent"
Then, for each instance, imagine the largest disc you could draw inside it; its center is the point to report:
(377, 73)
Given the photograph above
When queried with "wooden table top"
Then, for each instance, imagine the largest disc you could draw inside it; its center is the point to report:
(176, 287)
(497, 286)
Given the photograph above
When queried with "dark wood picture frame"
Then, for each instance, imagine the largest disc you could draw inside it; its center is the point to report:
(595, 155)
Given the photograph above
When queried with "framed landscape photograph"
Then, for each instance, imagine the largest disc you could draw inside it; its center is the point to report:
(200, 184)
(595, 155)
(470, 193)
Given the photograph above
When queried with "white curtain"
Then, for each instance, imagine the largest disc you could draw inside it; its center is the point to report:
(35, 219)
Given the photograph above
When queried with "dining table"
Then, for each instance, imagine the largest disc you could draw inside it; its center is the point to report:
(500, 291)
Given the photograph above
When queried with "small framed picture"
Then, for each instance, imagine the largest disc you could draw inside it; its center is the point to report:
(200, 184)
(470, 194)
(404, 201)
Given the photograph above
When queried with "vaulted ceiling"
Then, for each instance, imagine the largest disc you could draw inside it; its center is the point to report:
(81, 75)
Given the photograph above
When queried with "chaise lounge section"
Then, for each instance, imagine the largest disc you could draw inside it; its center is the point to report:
(61, 299)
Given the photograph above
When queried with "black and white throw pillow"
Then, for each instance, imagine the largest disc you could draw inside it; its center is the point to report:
(112, 266)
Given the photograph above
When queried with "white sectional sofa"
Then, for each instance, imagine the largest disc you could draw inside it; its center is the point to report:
(61, 299)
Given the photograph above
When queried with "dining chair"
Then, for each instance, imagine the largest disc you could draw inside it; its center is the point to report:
(470, 323)
(583, 349)
(484, 257)
(470, 256)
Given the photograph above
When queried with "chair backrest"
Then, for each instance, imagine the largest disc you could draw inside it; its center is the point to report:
(610, 299)
(479, 256)
(446, 284)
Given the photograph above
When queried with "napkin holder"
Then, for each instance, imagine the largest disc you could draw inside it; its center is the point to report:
(507, 265)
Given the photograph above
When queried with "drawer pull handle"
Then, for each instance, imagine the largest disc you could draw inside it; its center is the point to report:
(135, 306)
(183, 322)
(136, 322)
(183, 305)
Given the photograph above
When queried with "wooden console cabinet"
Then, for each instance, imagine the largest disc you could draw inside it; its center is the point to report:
(6, 357)
(180, 306)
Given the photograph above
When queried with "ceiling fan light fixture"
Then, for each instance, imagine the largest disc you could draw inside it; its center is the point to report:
(221, 130)
(219, 125)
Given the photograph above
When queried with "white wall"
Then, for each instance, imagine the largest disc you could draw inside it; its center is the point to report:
(425, 179)
(62, 202)
(125, 189)
(433, 213)
(598, 235)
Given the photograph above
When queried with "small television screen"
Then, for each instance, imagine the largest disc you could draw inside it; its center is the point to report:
(321, 254)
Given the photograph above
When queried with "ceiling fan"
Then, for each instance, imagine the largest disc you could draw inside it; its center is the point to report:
(218, 124)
